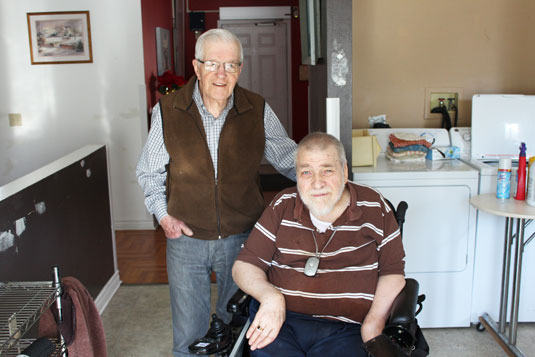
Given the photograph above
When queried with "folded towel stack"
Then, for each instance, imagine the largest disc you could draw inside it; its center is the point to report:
(407, 147)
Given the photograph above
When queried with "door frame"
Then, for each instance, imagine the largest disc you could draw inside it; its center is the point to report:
(286, 21)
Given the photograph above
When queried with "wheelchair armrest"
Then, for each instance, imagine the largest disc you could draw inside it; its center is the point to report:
(403, 309)
(239, 303)
(402, 327)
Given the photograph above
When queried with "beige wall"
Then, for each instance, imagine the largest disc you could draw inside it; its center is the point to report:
(400, 48)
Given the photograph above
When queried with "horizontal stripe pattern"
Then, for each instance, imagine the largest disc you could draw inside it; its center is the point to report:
(366, 244)
(323, 271)
(323, 254)
(368, 204)
(324, 296)
(289, 223)
(386, 205)
(358, 228)
(284, 197)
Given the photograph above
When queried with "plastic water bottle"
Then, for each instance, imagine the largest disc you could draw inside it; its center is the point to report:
(503, 189)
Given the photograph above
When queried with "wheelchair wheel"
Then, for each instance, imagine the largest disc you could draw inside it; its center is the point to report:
(480, 327)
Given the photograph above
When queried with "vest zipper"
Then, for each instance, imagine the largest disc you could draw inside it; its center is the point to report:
(217, 211)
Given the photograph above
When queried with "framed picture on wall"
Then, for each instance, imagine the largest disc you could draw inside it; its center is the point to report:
(163, 50)
(60, 37)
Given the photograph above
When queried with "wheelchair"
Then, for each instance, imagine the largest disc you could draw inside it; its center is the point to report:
(401, 336)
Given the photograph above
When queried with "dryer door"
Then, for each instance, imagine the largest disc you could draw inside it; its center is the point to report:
(436, 232)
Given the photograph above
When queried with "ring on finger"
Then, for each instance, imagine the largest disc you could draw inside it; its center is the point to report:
(260, 328)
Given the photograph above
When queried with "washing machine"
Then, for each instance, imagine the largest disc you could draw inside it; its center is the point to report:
(439, 231)
(499, 124)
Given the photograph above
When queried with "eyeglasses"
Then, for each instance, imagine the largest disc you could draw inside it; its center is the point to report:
(212, 66)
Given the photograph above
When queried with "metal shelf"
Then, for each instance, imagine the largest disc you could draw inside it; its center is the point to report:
(21, 344)
(21, 304)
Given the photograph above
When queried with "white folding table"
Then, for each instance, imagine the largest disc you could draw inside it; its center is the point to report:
(512, 210)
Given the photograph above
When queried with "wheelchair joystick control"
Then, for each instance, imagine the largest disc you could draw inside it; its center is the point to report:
(218, 339)
(217, 325)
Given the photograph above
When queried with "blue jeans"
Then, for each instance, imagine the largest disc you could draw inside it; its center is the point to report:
(189, 264)
(303, 335)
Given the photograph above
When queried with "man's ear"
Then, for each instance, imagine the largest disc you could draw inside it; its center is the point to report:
(346, 172)
(195, 63)
(237, 74)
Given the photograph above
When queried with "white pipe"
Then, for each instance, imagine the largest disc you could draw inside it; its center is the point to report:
(333, 117)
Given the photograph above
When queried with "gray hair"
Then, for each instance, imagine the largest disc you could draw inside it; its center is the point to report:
(217, 35)
(321, 141)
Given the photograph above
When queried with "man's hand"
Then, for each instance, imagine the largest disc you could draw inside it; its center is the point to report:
(174, 228)
(267, 322)
(272, 311)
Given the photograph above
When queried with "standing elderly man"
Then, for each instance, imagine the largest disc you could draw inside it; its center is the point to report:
(324, 262)
(199, 172)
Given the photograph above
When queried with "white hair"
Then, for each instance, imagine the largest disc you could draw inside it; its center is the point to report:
(216, 35)
(322, 141)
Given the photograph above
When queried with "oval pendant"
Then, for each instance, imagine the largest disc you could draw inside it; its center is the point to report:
(311, 266)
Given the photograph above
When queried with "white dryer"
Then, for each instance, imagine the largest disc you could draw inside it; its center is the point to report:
(439, 231)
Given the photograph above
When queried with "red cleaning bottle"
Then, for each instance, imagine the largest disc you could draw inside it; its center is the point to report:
(521, 174)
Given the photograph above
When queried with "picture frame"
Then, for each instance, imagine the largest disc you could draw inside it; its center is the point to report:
(60, 37)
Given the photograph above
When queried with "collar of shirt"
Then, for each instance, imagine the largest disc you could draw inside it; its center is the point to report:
(197, 97)
(321, 226)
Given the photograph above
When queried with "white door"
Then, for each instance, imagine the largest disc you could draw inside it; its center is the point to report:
(266, 62)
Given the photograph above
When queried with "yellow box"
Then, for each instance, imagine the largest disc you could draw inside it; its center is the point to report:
(365, 148)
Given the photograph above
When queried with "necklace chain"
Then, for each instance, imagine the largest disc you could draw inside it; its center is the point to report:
(326, 244)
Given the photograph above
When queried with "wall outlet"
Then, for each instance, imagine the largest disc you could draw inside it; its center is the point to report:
(15, 119)
(432, 100)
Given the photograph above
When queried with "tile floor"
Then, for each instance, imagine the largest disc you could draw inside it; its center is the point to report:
(137, 323)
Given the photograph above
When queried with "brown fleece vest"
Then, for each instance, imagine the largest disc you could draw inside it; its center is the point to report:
(233, 204)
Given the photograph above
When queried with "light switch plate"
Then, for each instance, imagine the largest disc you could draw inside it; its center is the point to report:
(15, 119)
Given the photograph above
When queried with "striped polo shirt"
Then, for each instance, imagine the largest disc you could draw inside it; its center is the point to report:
(366, 244)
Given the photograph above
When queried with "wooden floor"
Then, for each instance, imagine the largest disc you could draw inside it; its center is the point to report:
(141, 254)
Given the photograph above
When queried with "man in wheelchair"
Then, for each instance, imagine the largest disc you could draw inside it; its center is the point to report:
(323, 264)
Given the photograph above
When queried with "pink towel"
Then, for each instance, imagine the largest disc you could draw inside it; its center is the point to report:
(89, 337)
